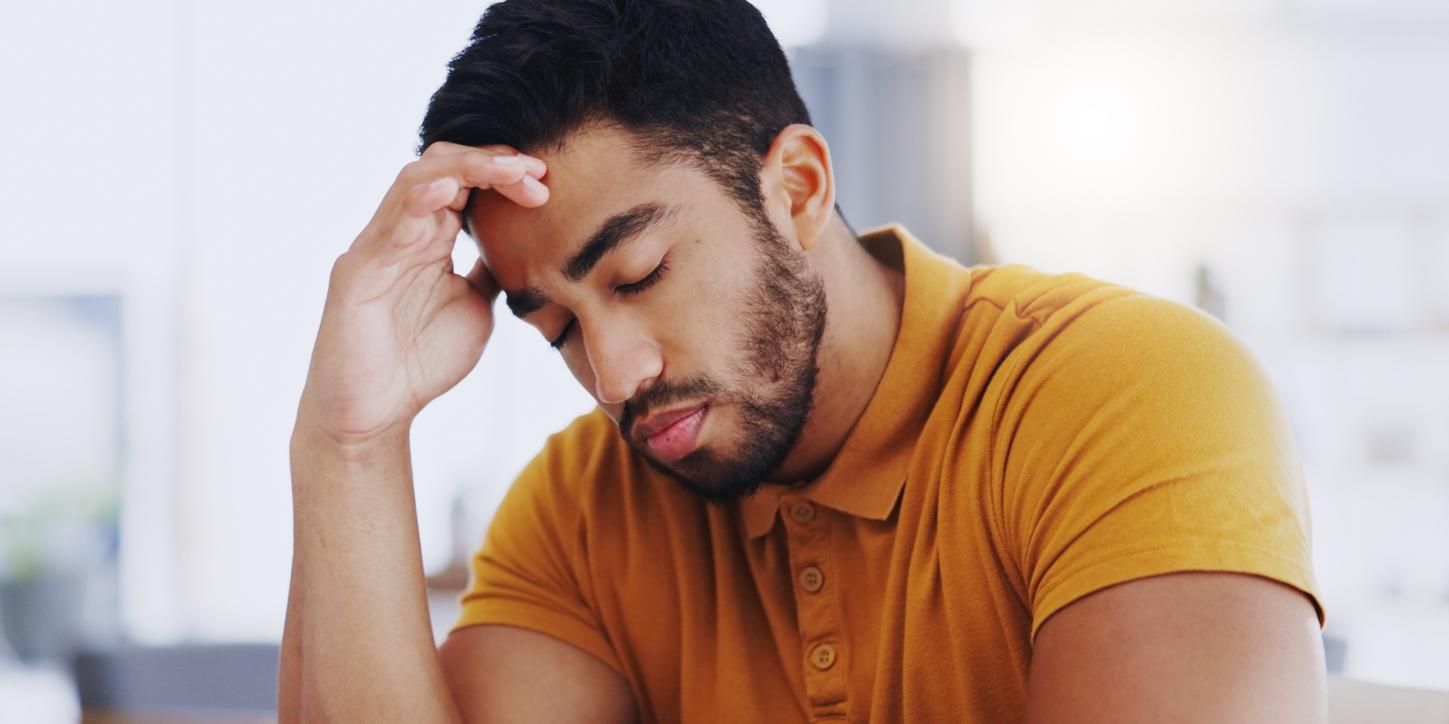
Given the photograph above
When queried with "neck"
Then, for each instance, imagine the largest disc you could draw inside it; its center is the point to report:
(865, 296)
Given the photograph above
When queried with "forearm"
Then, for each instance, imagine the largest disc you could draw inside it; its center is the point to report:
(357, 643)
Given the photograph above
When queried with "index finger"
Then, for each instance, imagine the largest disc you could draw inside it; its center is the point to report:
(428, 185)
(536, 167)
(522, 192)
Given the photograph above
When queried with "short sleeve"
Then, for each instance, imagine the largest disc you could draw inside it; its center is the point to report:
(1141, 438)
(526, 573)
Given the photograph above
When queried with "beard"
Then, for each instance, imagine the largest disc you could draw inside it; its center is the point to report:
(775, 390)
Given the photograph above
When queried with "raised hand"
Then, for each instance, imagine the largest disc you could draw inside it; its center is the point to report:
(400, 327)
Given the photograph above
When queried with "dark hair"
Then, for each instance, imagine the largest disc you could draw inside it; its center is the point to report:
(700, 81)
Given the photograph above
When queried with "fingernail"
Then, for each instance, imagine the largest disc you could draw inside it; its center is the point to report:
(534, 186)
(508, 160)
(439, 184)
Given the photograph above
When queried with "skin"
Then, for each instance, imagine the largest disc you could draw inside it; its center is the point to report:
(400, 328)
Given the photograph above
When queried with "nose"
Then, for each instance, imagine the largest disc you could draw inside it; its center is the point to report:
(622, 359)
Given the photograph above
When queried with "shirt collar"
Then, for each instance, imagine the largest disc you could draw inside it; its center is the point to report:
(866, 476)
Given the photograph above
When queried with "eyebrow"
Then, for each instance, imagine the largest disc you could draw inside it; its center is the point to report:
(617, 230)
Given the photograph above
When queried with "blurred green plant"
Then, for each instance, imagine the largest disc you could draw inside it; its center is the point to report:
(50, 546)
(60, 529)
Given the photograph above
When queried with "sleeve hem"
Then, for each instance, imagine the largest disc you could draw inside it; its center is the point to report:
(540, 620)
(1123, 567)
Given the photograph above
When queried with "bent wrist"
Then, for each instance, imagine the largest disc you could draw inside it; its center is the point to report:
(313, 440)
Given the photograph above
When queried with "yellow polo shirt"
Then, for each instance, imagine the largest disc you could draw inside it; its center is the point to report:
(1033, 439)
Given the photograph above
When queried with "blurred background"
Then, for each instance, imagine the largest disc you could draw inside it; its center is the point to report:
(177, 178)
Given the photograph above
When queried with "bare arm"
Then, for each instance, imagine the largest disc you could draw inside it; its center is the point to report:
(399, 329)
(508, 674)
(1183, 647)
(480, 674)
(360, 646)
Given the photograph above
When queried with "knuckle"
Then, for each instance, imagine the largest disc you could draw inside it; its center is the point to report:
(434, 148)
(408, 171)
(476, 166)
(477, 160)
(341, 268)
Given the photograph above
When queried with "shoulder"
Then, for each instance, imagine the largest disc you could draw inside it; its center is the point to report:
(588, 445)
(1136, 436)
(1074, 326)
(1137, 388)
(546, 513)
(1029, 293)
(1127, 342)
(576, 460)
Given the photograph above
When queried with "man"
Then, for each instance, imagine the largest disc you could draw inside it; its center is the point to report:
(830, 476)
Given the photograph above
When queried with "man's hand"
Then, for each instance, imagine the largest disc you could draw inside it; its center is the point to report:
(399, 327)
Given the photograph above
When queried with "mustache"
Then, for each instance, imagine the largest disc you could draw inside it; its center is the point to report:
(663, 394)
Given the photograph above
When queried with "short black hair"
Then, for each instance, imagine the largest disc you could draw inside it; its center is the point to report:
(701, 81)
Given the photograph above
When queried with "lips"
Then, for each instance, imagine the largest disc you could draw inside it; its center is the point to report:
(673, 434)
(647, 427)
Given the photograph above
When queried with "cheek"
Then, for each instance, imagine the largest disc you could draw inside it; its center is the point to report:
(696, 321)
(720, 322)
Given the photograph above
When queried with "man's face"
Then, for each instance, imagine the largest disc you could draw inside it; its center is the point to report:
(694, 324)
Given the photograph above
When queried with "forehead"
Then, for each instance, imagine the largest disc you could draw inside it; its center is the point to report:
(595, 174)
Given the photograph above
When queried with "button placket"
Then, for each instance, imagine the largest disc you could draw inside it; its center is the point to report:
(822, 644)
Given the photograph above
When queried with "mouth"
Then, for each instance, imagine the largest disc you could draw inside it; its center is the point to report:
(672, 435)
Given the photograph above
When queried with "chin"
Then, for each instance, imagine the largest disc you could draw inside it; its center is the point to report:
(704, 474)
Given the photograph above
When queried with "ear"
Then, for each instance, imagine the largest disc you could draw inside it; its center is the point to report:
(796, 177)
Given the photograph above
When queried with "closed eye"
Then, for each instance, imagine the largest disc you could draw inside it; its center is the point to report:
(558, 342)
(648, 281)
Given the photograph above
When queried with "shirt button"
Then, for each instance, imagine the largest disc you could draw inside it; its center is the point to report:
(823, 656)
(802, 512)
(811, 579)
